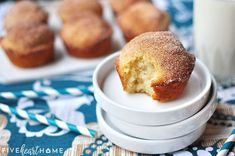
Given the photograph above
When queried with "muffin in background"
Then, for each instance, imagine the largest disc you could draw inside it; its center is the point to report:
(25, 12)
(87, 36)
(69, 8)
(142, 17)
(120, 5)
(29, 45)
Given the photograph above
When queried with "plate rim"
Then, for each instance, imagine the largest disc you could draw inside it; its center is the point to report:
(102, 123)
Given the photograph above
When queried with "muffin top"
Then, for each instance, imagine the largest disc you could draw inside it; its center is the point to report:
(69, 8)
(25, 38)
(142, 17)
(120, 5)
(85, 30)
(25, 12)
(165, 52)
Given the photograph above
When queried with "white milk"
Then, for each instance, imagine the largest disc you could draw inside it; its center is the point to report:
(214, 32)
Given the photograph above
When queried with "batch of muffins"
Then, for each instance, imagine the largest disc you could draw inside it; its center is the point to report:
(29, 40)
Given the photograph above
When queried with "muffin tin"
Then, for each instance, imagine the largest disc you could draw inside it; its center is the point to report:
(138, 123)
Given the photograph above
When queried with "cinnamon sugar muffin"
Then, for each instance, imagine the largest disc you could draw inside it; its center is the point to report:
(87, 36)
(29, 45)
(25, 12)
(142, 17)
(70, 8)
(155, 63)
(120, 5)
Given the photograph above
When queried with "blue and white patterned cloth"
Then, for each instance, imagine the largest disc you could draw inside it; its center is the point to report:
(24, 137)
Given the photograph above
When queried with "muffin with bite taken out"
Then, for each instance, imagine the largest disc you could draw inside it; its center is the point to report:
(155, 63)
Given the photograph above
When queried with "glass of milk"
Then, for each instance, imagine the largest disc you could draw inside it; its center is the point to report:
(214, 36)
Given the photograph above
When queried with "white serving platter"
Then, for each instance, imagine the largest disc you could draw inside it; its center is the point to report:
(173, 130)
(63, 62)
(142, 109)
(140, 145)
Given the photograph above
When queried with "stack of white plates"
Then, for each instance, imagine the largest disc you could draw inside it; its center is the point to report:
(138, 123)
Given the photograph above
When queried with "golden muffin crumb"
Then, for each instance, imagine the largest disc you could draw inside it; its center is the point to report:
(25, 12)
(70, 8)
(121, 5)
(155, 63)
(142, 17)
(29, 45)
(87, 35)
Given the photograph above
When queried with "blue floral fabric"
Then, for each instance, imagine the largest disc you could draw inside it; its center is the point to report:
(30, 134)
(28, 138)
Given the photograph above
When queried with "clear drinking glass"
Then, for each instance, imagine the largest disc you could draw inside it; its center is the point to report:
(214, 36)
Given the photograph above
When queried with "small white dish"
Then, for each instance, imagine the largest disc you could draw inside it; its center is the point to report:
(173, 130)
(141, 145)
(140, 108)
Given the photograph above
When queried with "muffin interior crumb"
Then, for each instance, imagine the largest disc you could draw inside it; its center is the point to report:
(139, 74)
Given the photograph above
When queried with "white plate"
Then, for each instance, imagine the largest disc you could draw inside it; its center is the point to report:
(140, 108)
(63, 63)
(173, 130)
(141, 145)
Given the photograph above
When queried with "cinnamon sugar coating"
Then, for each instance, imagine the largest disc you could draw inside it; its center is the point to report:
(25, 38)
(29, 45)
(163, 66)
(84, 32)
(120, 5)
(142, 17)
(25, 12)
(70, 8)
